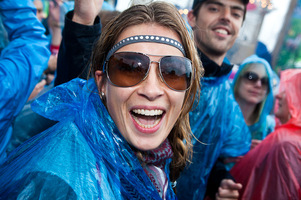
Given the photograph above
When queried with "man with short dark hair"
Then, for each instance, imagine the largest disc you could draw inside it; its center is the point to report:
(217, 122)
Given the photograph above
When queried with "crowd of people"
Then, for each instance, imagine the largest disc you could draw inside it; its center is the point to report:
(133, 105)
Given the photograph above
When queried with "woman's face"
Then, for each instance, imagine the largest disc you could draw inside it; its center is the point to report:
(39, 6)
(145, 113)
(282, 112)
(253, 85)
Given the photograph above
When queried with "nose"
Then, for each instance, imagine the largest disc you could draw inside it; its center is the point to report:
(279, 95)
(258, 83)
(152, 87)
(226, 14)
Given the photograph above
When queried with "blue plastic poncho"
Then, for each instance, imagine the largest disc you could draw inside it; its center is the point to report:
(265, 123)
(82, 157)
(219, 130)
(22, 62)
(3, 36)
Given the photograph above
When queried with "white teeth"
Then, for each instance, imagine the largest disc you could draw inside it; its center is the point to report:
(222, 31)
(146, 126)
(148, 112)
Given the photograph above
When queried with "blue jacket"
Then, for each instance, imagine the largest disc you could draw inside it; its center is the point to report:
(82, 157)
(265, 123)
(22, 62)
(219, 131)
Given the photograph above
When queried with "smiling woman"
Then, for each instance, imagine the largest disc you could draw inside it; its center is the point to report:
(147, 84)
(125, 133)
(252, 86)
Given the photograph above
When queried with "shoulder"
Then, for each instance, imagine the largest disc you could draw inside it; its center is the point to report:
(56, 160)
(41, 185)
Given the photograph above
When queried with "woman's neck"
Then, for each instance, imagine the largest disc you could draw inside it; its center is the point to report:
(247, 110)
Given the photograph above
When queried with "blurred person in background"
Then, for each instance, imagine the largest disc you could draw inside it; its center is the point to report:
(55, 30)
(40, 9)
(53, 24)
(28, 123)
(218, 126)
(22, 62)
(272, 169)
(253, 91)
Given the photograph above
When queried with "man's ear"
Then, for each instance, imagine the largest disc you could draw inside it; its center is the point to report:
(100, 78)
(191, 18)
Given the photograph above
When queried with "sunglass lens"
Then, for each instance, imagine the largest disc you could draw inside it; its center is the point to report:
(252, 76)
(264, 81)
(176, 72)
(127, 69)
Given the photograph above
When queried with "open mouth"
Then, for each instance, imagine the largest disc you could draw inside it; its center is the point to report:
(221, 31)
(147, 118)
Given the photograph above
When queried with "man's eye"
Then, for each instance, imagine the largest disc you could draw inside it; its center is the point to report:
(213, 9)
(237, 15)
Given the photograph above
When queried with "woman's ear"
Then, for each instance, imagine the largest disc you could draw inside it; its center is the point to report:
(100, 79)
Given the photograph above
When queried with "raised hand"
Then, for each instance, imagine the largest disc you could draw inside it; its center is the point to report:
(85, 11)
(54, 13)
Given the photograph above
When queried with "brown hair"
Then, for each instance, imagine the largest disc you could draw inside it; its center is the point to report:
(166, 15)
(107, 15)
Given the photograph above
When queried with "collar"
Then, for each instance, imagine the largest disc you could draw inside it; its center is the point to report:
(212, 69)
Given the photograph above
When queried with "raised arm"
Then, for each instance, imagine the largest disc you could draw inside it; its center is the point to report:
(22, 62)
(82, 29)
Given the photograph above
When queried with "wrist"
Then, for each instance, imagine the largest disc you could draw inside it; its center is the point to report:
(80, 20)
(54, 49)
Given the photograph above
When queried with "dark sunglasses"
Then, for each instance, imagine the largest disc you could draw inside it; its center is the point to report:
(253, 78)
(126, 69)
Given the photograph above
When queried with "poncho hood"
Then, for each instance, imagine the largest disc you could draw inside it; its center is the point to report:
(259, 129)
(290, 82)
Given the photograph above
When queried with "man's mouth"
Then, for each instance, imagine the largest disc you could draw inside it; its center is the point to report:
(147, 118)
(221, 31)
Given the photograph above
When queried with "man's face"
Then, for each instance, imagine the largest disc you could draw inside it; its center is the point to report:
(216, 26)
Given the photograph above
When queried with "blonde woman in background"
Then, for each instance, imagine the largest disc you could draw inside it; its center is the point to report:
(252, 86)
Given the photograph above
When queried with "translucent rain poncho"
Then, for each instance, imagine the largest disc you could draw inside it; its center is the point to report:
(22, 62)
(219, 131)
(82, 157)
(272, 169)
(265, 123)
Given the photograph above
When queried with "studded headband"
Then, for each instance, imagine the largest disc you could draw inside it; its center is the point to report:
(145, 38)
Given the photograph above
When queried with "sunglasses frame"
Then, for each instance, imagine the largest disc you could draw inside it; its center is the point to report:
(106, 66)
(256, 78)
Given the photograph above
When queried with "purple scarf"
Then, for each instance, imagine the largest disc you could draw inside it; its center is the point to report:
(154, 166)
